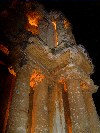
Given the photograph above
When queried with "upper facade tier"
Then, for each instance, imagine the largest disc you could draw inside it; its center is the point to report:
(46, 37)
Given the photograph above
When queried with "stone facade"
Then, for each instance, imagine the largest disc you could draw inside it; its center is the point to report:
(62, 100)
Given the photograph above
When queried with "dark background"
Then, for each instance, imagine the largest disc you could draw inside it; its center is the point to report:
(85, 19)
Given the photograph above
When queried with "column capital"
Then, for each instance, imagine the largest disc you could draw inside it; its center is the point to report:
(71, 71)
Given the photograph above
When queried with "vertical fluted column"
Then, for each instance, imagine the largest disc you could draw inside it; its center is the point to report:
(18, 115)
(93, 117)
(77, 106)
(40, 109)
(56, 110)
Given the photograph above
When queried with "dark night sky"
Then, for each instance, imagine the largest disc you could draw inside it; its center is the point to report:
(84, 16)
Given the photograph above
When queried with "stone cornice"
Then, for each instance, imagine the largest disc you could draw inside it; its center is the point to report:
(53, 62)
(71, 63)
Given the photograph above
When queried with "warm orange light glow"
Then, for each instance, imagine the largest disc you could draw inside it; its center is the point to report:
(33, 124)
(33, 21)
(66, 24)
(4, 49)
(56, 34)
(11, 70)
(36, 77)
(62, 81)
(84, 85)
(69, 125)
(33, 18)
(54, 24)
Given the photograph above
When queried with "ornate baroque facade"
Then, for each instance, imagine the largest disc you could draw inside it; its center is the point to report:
(53, 88)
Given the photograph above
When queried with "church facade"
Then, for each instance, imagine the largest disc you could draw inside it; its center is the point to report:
(53, 89)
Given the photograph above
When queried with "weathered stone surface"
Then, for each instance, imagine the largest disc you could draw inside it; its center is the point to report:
(54, 52)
